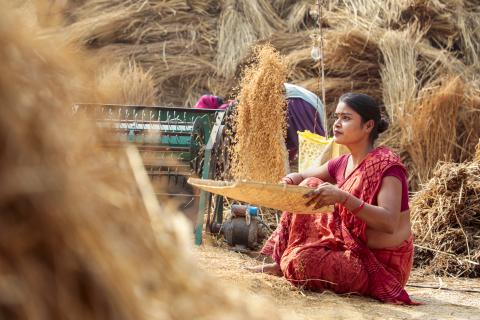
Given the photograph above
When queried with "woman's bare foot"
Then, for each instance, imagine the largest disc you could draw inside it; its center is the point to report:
(270, 268)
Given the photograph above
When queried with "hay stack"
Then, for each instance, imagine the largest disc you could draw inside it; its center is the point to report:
(259, 152)
(429, 130)
(126, 83)
(446, 220)
(241, 24)
(74, 224)
(399, 71)
(174, 39)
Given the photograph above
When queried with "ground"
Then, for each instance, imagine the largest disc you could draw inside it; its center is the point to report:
(296, 304)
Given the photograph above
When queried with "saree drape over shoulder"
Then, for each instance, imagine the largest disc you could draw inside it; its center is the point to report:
(329, 251)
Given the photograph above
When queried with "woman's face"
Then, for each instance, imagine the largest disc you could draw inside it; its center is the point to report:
(348, 128)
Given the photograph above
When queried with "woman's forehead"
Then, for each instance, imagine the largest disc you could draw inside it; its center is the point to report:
(342, 107)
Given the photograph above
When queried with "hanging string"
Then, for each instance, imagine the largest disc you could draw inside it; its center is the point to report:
(317, 54)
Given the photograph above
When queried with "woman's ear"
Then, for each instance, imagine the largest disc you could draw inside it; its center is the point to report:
(369, 125)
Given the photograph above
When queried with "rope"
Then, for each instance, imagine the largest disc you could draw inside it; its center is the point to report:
(322, 64)
(318, 40)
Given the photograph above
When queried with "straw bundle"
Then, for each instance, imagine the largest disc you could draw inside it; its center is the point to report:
(467, 127)
(366, 13)
(429, 134)
(446, 220)
(399, 72)
(178, 51)
(126, 83)
(241, 24)
(352, 52)
(73, 231)
(298, 14)
(101, 22)
(179, 78)
(260, 121)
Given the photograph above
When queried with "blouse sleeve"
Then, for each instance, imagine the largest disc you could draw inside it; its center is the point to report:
(333, 166)
(398, 173)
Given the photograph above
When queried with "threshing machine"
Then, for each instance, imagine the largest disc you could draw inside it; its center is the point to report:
(175, 143)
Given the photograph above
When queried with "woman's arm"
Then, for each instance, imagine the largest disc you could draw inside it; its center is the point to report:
(384, 217)
(297, 177)
(321, 173)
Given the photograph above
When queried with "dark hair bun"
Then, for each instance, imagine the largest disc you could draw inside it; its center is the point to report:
(382, 126)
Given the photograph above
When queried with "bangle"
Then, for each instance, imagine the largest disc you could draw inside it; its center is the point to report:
(346, 199)
(357, 209)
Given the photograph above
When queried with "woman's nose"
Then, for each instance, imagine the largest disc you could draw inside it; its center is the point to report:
(336, 124)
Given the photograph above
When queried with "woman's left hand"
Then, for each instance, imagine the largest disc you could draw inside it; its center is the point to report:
(324, 195)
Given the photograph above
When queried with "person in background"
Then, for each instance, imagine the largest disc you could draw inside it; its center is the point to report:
(209, 101)
(304, 112)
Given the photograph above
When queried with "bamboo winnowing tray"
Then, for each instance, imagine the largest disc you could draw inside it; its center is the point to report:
(277, 196)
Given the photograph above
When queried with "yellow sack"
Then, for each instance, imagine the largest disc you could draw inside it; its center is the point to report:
(315, 150)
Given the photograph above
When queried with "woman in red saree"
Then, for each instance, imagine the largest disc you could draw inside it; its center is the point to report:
(365, 245)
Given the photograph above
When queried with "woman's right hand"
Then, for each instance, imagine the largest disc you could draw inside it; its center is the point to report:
(292, 178)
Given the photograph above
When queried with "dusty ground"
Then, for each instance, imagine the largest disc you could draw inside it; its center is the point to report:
(228, 267)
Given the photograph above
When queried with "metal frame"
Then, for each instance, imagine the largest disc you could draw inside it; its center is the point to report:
(207, 173)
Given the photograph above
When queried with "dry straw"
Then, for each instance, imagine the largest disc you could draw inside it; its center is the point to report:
(477, 152)
(429, 133)
(175, 40)
(446, 220)
(259, 152)
(126, 83)
(241, 24)
(399, 71)
(76, 222)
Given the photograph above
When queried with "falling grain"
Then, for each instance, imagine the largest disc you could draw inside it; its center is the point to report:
(259, 152)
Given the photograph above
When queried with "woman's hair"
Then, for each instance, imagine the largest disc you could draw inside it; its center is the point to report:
(368, 109)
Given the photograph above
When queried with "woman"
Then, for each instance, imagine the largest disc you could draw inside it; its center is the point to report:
(365, 245)
(304, 112)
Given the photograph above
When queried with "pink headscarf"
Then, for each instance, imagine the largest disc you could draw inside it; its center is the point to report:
(207, 102)
(212, 102)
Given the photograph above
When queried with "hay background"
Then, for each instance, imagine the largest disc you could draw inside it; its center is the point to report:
(402, 52)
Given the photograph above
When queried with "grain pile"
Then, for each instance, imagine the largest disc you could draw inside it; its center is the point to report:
(446, 220)
(259, 150)
(73, 231)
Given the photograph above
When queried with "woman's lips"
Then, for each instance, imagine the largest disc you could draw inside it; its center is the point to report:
(336, 132)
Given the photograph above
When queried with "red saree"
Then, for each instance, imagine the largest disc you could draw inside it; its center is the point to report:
(329, 250)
